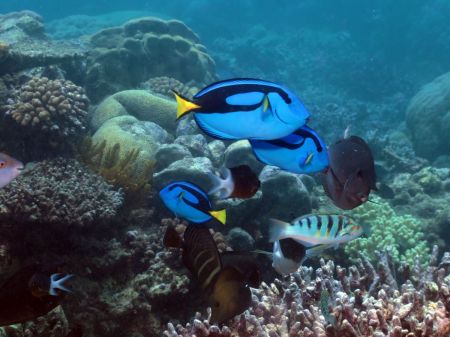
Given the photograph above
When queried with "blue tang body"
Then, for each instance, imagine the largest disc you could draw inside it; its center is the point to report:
(190, 202)
(245, 109)
(301, 152)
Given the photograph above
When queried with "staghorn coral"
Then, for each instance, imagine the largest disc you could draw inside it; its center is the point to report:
(164, 85)
(125, 56)
(364, 301)
(54, 107)
(403, 235)
(119, 169)
(59, 191)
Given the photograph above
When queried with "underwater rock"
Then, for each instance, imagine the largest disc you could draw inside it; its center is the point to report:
(169, 153)
(217, 149)
(428, 118)
(241, 153)
(187, 126)
(242, 212)
(23, 44)
(196, 144)
(125, 56)
(285, 197)
(59, 191)
(55, 108)
(240, 240)
(194, 170)
(140, 104)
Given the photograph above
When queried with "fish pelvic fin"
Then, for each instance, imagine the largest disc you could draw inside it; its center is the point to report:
(277, 229)
(220, 216)
(224, 186)
(57, 282)
(184, 106)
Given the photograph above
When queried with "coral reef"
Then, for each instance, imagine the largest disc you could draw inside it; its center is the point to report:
(140, 104)
(125, 56)
(120, 168)
(165, 86)
(54, 107)
(428, 118)
(59, 191)
(28, 46)
(363, 301)
(402, 235)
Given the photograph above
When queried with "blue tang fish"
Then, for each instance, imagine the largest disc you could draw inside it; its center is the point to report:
(190, 202)
(301, 152)
(245, 109)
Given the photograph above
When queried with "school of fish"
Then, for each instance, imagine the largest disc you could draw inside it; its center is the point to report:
(274, 121)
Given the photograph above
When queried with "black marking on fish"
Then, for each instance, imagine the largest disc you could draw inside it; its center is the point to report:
(203, 204)
(308, 222)
(329, 225)
(304, 133)
(319, 222)
(340, 224)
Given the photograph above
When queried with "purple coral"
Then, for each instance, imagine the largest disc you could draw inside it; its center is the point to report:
(365, 302)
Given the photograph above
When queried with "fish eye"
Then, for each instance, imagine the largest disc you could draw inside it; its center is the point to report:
(2, 164)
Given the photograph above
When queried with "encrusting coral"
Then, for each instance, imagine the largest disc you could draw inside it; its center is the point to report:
(54, 107)
(119, 170)
(165, 86)
(402, 235)
(60, 191)
(362, 301)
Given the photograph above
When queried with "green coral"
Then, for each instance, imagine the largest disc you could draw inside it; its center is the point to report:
(401, 234)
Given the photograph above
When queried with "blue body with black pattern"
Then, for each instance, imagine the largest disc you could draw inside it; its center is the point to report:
(248, 109)
(301, 152)
(187, 201)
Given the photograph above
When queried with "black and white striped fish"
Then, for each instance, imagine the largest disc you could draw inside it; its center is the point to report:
(321, 229)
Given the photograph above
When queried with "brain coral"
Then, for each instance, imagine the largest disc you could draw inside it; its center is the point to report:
(58, 191)
(123, 57)
(164, 85)
(428, 118)
(55, 107)
(401, 234)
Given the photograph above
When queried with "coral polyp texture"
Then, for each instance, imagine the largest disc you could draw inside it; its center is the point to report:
(360, 301)
(123, 57)
(55, 107)
(165, 86)
(402, 234)
(58, 191)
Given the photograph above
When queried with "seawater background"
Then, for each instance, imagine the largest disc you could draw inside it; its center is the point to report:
(368, 49)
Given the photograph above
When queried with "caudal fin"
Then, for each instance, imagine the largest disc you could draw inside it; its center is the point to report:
(184, 106)
(220, 216)
(277, 229)
(57, 282)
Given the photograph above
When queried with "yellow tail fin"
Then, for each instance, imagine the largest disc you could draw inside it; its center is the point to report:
(184, 106)
(221, 215)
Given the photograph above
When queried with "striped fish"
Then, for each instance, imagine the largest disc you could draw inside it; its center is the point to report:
(316, 229)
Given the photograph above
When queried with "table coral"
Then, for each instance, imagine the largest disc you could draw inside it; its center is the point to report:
(60, 191)
(364, 301)
(54, 107)
(403, 235)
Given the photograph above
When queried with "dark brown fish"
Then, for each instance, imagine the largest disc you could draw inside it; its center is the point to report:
(26, 295)
(225, 278)
(351, 173)
(236, 182)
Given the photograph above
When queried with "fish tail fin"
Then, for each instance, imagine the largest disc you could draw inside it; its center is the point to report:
(224, 186)
(57, 282)
(220, 215)
(172, 239)
(276, 229)
(184, 106)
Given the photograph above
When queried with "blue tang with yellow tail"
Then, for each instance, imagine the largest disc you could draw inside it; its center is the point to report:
(245, 109)
(301, 152)
(190, 202)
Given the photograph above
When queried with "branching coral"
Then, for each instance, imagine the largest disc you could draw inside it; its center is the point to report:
(55, 107)
(119, 170)
(60, 191)
(363, 302)
(402, 234)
